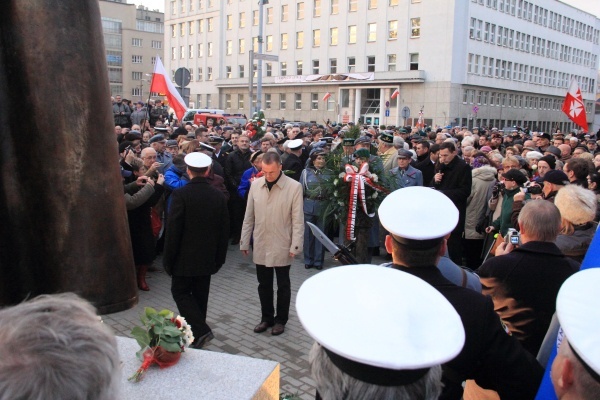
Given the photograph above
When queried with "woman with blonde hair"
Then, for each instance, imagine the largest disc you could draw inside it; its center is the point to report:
(577, 208)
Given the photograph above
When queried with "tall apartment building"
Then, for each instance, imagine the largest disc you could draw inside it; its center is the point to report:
(133, 37)
(465, 62)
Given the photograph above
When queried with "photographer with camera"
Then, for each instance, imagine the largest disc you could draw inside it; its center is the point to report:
(524, 277)
(513, 181)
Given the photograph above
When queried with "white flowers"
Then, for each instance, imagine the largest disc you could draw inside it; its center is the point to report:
(342, 175)
(186, 329)
(336, 181)
(341, 203)
(374, 195)
(375, 178)
(335, 194)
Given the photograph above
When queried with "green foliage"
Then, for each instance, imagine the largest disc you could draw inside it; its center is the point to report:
(289, 396)
(159, 329)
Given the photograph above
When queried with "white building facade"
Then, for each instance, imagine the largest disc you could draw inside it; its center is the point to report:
(462, 62)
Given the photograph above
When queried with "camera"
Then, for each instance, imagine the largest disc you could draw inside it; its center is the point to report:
(513, 237)
(533, 189)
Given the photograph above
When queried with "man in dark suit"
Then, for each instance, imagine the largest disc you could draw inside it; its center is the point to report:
(195, 210)
(490, 356)
(429, 156)
(453, 178)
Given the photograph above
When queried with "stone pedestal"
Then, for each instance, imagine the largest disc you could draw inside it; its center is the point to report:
(200, 374)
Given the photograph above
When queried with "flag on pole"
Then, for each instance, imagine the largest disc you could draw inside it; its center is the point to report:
(327, 96)
(573, 106)
(591, 260)
(395, 94)
(161, 83)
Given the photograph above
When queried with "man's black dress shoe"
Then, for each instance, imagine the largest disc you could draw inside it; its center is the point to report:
(278, 329)
(263, 326)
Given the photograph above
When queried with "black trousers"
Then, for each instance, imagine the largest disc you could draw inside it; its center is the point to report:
(237, 212)
(191, 296)
(265, 293)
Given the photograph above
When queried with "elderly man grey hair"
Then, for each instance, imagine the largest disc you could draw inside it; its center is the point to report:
(333, 384)
(55, 347)
(399, 143)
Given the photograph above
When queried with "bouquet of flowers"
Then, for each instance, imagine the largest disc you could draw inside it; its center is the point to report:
(257, 126)
(162, 339)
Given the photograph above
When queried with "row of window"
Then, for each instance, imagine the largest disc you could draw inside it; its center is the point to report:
(115, 59)
(316, 67)
(498, 99)
(501, 36)
(392, 31)
(333, 6)
(315, 100)
(137, 42)
(541, 16)
(502, 69)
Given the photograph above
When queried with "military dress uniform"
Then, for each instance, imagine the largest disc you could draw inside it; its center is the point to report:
(401, 178)
(314, 194)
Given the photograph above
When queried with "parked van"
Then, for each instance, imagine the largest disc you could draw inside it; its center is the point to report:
(219, 119)
(189, 114)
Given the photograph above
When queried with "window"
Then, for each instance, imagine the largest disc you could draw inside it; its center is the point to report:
(136, 59)
(191, 51)
(299, 65)
(282, 101)
(269, 42)
(299, 40)
(391, 62)
(333, 36)
(199, 100)
(284, 13)
(415, 27)
(372, 35)
(136, 76)
(314, 101)
(136, 91)
(255, 18)
(200, 50)
(200, 75)
(270, 15)
(284, 41)
(371, 63)
(315, 68)
(228, 101)
(242, 20)
(153, 60)
(352, 5)
(241, 101)
(269, 69)
(317, 8)
(182, 6)
(182, 52)
(209, 49)
(255, 70)
(228, 73)
(229, 47)
(268, 101)
(200, 26)
(333, 65)
(283, 68)
(173, 53)
(316, 38)
(372, 4)
(352, 34)
(393, 2)
(414, 62)
(209, 74)
(300, 10)
(172, 30)
(190, 27)
(156, 44)
(335, 7)
(229, 22)
(242, 46)
(210, 23)
(181, 29)
(173, 8)
(135, 42)
(241, 71)
(351, 64)
(392, 30)
(298, 101)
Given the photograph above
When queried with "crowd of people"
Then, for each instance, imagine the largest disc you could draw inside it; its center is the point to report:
(497, 221)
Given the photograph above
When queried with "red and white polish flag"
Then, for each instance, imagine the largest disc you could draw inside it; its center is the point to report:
(573, 106)
(161, 83)
(327, 96)
(395, 94)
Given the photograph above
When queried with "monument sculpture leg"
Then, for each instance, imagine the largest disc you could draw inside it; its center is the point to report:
(63, 221)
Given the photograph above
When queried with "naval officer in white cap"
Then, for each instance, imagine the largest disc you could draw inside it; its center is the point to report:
(293, 162)
(416, 240)
(417, 331)
(576, 368)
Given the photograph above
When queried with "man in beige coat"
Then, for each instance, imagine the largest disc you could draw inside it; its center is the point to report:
(274, 221)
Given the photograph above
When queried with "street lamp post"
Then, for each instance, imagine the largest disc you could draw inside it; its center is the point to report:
(261, 3)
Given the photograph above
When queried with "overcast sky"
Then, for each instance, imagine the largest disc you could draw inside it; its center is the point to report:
(591, 6)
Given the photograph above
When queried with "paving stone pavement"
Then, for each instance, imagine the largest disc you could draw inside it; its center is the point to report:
(233, 311)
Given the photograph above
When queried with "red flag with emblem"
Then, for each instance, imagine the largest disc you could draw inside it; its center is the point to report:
(395, 94)
(161, 83)
(573, 106)
(327, 96)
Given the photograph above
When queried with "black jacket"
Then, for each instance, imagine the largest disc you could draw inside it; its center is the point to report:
(428, 170)
(490, 356)
(235, 166)
(524, 285)
(198, 230)
(293, 163)
(456, 184)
